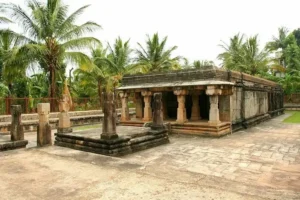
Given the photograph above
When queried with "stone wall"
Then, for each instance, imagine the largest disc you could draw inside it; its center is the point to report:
(256, 103)
(235, 104)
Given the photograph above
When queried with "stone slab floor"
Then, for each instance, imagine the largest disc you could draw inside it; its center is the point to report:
(258, 163)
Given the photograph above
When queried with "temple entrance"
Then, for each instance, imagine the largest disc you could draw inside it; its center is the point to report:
(172, 105)
(204, 106)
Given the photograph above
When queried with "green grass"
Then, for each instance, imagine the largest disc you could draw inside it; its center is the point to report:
(87, 127)
(294, 118)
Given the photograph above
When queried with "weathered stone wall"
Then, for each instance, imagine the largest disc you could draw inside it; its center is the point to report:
(256, 103)
(235, 104)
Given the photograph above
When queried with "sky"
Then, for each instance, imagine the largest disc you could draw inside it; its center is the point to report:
(197, 27)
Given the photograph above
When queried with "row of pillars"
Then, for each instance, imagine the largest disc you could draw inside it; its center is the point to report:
(181, 110)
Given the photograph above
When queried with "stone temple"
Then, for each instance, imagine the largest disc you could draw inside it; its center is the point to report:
(211, 102)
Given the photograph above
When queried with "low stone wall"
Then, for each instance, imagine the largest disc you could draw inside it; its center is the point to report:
(79, 118)
(292, 107)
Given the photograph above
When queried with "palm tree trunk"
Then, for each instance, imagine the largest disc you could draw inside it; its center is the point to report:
(52, 88)
(100, 92)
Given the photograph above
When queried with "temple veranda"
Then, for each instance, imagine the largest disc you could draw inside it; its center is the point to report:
(211, 102)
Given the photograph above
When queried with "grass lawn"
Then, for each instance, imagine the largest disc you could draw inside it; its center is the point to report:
(82, 128)
(294, 118)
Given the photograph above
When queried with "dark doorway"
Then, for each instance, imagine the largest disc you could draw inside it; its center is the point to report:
(172, 105)
(188, 106)
(204, 106)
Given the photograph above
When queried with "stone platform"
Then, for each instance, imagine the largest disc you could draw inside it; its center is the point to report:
(7, 144)
(200, 127)
(131, 139)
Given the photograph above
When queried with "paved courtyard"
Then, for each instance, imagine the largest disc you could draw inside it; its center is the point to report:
(258, 163)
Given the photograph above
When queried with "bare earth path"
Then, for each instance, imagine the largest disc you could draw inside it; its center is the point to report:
(259, 163)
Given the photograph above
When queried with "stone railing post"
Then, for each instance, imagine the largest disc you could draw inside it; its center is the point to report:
(16, 129)
(157, 113)
(125, 110)
(109, 124)
(181, 110)
(147, 101)
(44, 136)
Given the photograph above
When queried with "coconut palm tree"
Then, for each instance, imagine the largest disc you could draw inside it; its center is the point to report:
(245, 56)
(280, 41)
(155, 57)
(232, 54)
(53, 36)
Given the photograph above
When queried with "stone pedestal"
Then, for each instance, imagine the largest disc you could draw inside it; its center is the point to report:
(138, 106)
(147, 109)
(214, 110)
(157, 113)
(181, 110)
(125, 110)
(195, 108)
(16, 130)
(109, 122)
(44, 136)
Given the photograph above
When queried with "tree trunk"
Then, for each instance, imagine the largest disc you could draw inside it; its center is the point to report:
(100, 92)
(52, 88)
(9, 98)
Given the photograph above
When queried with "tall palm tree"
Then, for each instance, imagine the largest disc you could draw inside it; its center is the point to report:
(54, 36)
(118, 61)
(232, 54)
(253, 60)
(244, 56)
(155, 57)
(280, 41)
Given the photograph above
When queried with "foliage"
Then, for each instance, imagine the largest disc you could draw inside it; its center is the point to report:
(53, 38)
(155, 57)
(244, 55)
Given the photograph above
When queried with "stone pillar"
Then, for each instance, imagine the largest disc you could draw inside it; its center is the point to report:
(16, 129)
(138, 106)
(214, 110)
(44, 136)
(109, 124)
(157, 113)
(125, 110)
(147, 109)
(195, 108)
(181, 110)
(64, 123)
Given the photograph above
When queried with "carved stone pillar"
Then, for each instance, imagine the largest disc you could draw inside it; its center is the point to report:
(157, 113)
(109, 121)
(214, 109)
(195, 108)
(181, 110)
(44, 136)
(64, 123)
(125, 110)
(138, 106)
(147, 109)
(16, 129)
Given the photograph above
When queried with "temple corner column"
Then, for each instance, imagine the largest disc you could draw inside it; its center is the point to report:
(213, 92)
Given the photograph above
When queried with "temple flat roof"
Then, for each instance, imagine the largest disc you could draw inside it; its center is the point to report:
(175, 84)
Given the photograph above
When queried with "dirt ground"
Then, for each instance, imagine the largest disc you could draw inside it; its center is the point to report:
(258, 163)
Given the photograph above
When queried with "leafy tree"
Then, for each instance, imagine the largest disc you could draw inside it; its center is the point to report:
(155, 57)
(53, 36)
(244, 56)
